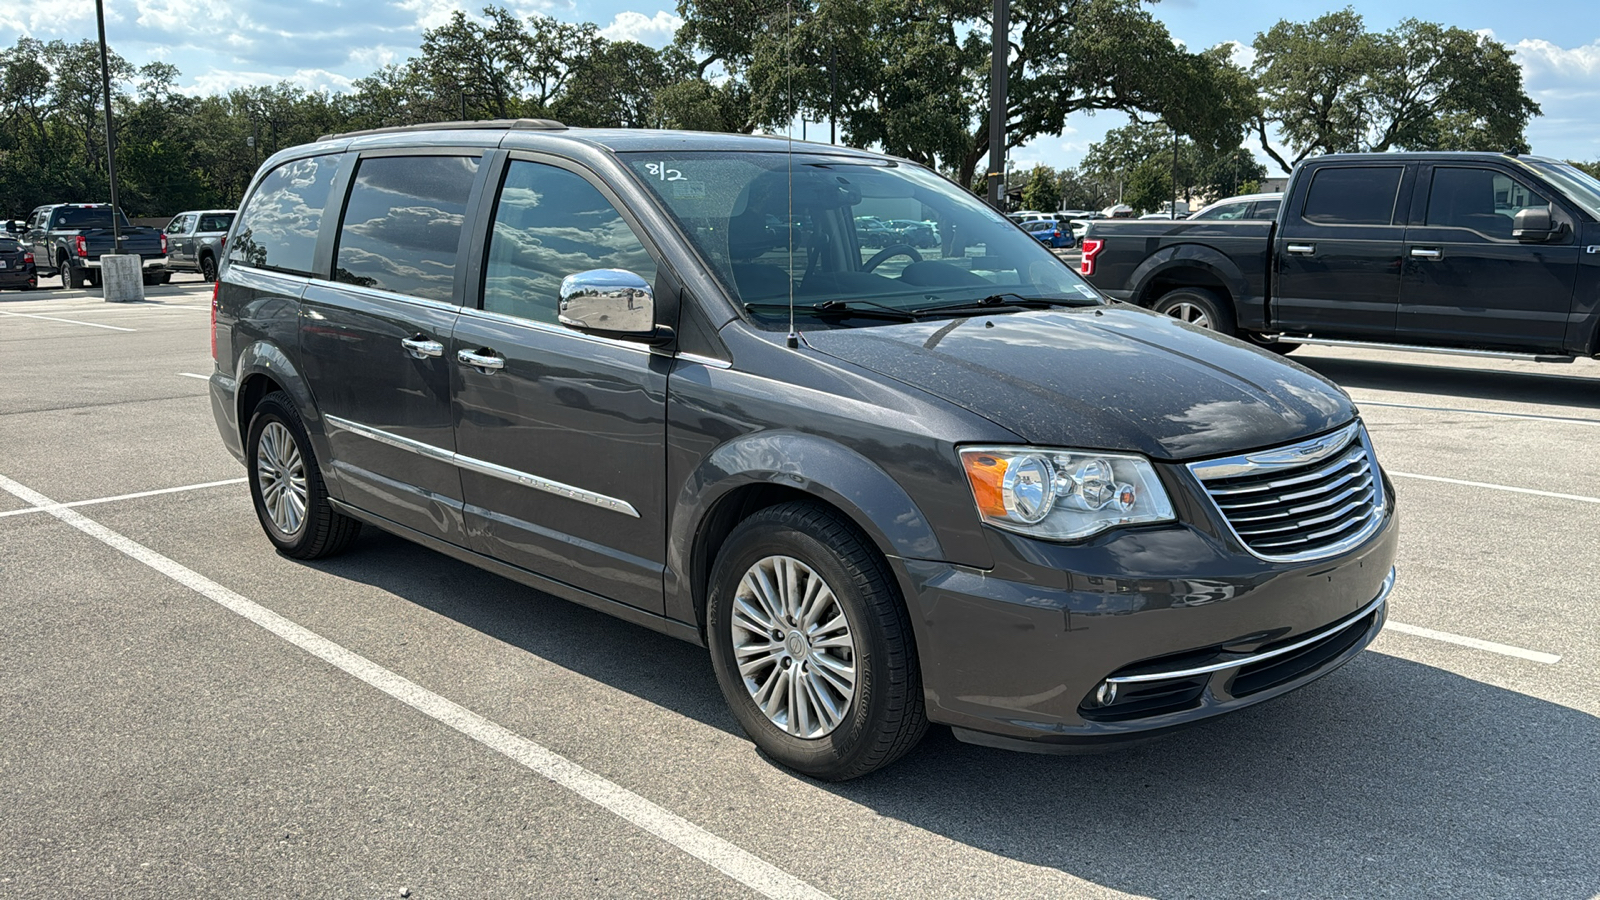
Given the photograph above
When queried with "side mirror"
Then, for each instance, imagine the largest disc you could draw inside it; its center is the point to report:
(14, 227)
(609, 302)
(1532, 225)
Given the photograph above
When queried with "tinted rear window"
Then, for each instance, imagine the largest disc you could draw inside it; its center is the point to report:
(73, 217)
(1353, 195)
(402, 224)
(216, 222)
(281, 221)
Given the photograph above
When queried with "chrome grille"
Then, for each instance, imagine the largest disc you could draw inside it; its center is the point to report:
(1308, 500)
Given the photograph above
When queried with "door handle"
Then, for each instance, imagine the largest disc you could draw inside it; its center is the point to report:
(420, 347)
(483, 362)
(1303, 249)
(1426, 252)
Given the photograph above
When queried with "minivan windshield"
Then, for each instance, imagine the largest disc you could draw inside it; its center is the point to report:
(855, 241)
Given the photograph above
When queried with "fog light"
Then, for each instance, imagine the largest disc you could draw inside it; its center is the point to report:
(1105, 694)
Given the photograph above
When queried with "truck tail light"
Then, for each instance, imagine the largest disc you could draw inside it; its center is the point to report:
(1091, 249)
(81, 243)
(216, 288)
(163, 245)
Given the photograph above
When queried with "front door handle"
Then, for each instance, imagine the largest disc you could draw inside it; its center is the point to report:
(1303, 249)
(484, 362)
(421, 347)
(1426, 252)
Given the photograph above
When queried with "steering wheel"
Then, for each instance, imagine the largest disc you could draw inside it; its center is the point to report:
(891, 251)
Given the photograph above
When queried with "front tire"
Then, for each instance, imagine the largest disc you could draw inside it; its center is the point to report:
(1199, 307)
(290, 498)
(812, 645)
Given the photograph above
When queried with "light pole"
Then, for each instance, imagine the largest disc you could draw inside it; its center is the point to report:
(111, 139)
(1000, 52)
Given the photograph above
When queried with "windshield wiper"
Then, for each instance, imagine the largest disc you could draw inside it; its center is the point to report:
(999, 303)
(862, 309)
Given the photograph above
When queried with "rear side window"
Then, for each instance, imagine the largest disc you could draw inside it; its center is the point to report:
(548, 224)
(402, 224)
(1353, 195)
(284, 215)
(1266, 209)
(216, 222)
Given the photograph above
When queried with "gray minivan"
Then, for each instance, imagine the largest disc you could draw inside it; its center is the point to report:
(659, 374)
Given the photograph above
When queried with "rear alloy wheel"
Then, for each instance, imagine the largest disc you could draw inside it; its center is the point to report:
(1198, 307)
(812, 645)
(290, 499)
(208, 268)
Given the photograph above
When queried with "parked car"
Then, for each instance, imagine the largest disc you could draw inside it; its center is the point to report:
(1050, 232)
(16, 265)
(67, 239)
(1244, 206)
(1488, 252)
(195, 240)
(965, 490)
(914, 232)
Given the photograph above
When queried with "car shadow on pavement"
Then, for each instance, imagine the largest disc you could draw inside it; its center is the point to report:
(1454, 383)
(1387, 778)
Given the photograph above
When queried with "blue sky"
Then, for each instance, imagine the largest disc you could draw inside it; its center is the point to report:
(329, 43)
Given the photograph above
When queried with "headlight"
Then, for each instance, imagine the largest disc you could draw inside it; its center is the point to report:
(1063, 495)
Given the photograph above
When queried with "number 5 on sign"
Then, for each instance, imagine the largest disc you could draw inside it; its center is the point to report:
(661, 171)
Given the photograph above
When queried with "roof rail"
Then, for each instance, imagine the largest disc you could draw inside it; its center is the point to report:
(475, 125)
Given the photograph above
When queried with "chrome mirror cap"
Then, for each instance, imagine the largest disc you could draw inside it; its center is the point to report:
(608, 301)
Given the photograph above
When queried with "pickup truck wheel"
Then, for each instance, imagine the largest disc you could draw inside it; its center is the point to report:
(290, 498)
(1199, 307)
(208, 268)
(811, 644)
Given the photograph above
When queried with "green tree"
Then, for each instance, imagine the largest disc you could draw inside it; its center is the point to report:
(1330, 86)
(1149, 186)
(1042, 189)
(1593, 168)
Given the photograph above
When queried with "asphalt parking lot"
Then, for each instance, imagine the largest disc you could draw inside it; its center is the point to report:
(184, 713)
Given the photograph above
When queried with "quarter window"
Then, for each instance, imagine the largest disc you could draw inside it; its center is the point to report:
(1480, 199)
(1353, 195)
(550, 223)
(280, 224)
(402, 224)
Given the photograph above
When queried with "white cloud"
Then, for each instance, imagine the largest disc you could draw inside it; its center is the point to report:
(1241, 55)
(217, 82)
(654, 31)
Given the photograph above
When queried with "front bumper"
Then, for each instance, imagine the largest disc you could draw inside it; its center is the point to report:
(1179, 620)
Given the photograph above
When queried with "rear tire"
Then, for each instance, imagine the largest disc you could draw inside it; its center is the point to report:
(290, 498)
(208, 268)
(840, 687)
(1199, 307)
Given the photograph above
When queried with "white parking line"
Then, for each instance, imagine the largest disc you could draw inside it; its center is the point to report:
(1496, 487)
(98, 500)
(195, 375)
(68, 321)
(1569, 420)
(1548, 659)
(738, 864)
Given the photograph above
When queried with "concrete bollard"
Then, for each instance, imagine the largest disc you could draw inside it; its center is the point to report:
(121, 278)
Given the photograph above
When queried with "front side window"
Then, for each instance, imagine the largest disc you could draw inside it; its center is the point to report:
(176, 226)
(550, 223)
(281, 221)
(402, 224)
(1483, 200)
(1353, 195)
(855, 241)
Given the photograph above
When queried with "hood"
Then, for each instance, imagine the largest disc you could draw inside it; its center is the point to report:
(1104, 378)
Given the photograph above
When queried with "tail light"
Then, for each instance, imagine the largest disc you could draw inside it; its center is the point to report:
(1091, 249)
(82, 245)
(223, 243)
(216, 289)
(163, 244)
(27, 257)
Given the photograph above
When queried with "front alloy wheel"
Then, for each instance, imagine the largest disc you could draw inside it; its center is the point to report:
(796, 654)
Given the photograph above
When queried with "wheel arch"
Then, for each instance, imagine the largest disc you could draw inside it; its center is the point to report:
(762, 470)
(262, 368)
(1188, 265)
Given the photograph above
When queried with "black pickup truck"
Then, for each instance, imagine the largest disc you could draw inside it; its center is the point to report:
(1466, 252)
(68, 238)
